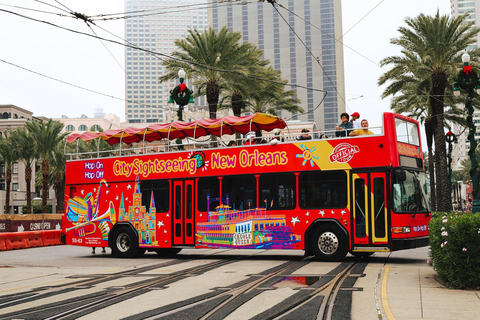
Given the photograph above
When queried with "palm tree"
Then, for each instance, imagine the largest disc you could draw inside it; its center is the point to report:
(9, 156)
(412, 99)
(47, 135)
(208, 57)
(96, 146)
(239, 87)
(269, 97)
(430, 51)
(57, 170)
(23, 143)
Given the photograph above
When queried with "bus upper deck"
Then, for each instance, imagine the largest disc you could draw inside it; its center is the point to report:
(196, 135)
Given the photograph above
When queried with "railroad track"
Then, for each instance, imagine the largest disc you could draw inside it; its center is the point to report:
(315, 300)
(83, 302)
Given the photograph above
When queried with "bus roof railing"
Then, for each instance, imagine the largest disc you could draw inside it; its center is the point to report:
(205, 142)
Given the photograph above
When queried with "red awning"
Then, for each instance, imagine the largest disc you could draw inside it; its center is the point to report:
(178, 129)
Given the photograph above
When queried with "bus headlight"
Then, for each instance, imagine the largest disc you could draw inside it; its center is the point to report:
(400, 229)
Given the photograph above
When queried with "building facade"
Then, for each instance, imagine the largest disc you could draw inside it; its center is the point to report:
(299, 39)
(154, 27)
(99, 122)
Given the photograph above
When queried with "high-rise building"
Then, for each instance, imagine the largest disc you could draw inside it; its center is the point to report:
(300, 39)
(154, 25)
(471, 7)
(461, 148)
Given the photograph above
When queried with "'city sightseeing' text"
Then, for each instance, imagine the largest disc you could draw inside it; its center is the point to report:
(122, 168)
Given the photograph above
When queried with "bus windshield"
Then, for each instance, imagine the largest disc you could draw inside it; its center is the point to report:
(410, 195)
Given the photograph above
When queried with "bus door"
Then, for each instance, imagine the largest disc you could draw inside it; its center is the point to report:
(183, 218)
(370, 219)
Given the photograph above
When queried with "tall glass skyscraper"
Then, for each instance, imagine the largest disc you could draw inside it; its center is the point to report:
(461, 148)
(154, 25)
(299, 39)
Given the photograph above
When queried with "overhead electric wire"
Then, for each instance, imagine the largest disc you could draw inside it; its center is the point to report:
(34, 10)
(51, 5)
(61, 81)
(273, 2)
(156, 53)
(339, 39)
(311, 53)
(64, 6)
(168, 10)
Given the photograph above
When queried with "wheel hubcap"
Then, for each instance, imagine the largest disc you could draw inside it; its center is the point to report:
(328, 242)
(123, 242)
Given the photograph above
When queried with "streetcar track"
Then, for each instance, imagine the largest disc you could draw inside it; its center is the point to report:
(162, 280)
(93, 279)
(118, 294)
(226, 302)
(319, 296)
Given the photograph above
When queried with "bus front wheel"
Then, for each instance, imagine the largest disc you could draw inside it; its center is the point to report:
(329, 243)
(125, 243)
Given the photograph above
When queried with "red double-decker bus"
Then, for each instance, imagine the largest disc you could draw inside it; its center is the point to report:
(327, 196)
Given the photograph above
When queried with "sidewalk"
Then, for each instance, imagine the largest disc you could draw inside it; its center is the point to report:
(401, 285)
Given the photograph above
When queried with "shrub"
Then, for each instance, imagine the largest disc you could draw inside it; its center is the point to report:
(455, 248)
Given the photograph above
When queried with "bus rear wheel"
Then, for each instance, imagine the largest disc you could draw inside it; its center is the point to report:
(125, 243)
(329, 243)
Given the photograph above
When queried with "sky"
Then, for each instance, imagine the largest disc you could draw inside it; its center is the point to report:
(86, 62)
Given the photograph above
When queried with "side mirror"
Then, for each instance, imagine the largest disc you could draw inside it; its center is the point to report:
(400, 175)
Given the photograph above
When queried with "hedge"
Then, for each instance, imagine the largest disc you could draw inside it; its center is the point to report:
(455, 248)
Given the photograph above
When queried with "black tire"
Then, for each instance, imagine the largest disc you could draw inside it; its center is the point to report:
(168, 252)
(329, 243)
(125, 243)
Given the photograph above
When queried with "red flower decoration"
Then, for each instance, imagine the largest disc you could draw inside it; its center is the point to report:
(467, 69)
(183, 85)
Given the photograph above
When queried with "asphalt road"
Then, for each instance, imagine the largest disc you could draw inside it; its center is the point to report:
(68, 282)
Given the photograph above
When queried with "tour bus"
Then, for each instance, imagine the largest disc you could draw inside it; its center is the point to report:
(179, 185)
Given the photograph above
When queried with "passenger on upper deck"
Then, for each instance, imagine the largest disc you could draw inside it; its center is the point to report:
(344, 125)
(356, 120)
(305, 135)
(250, 138)
(361, 132)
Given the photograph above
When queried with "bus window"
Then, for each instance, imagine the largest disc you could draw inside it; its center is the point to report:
(409, 195)
(277, 191)
(241, 190)
(360, 221)
(161, 194)
(379, 207)
(407, 132)
(207, 186)
(323, 189)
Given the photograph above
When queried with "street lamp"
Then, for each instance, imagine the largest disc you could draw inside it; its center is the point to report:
(468, 80)
(451, 138)
(181, 95)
